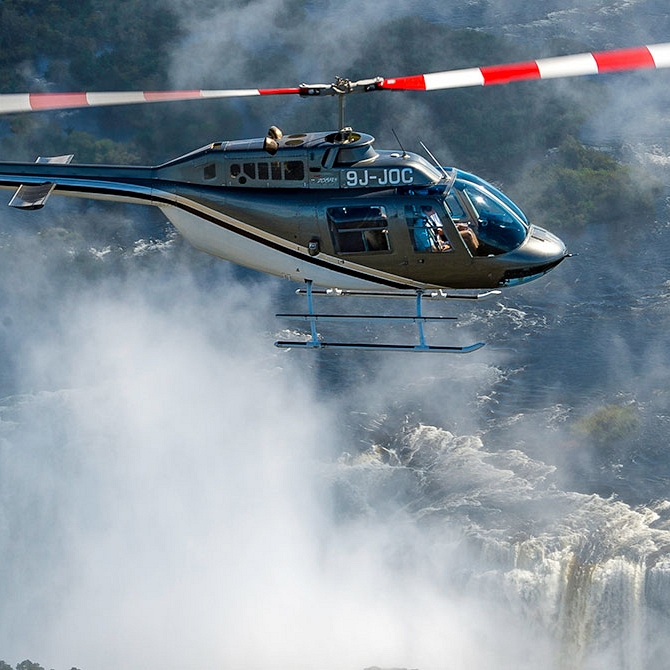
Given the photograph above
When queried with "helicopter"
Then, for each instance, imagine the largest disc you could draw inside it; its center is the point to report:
(328, 209)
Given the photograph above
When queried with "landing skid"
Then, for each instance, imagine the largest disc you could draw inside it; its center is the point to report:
(315, 342)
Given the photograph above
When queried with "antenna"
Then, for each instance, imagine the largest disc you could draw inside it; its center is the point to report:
(404, 153)
(449, 176)
(437, 164)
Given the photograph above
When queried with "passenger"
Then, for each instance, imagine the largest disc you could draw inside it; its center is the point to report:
(377, 238)
(429, 232)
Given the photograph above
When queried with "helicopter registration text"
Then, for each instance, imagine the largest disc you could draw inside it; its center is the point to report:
(379, 177)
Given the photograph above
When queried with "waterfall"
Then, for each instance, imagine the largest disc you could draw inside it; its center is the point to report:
(590, 574)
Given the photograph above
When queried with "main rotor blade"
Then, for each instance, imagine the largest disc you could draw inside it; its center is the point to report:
(598, 62)
(32, 102)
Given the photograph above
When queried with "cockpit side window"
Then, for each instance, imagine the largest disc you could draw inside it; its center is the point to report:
(455, 208)
(426, 229)
(359, 229)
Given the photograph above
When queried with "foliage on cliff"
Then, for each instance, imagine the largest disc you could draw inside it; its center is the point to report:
(498, 131)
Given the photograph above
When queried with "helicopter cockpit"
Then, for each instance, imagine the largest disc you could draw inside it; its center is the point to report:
(498, 224)
(489, 222)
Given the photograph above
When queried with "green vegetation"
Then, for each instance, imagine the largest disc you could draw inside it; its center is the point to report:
(609, 424)
(576, 185)
(79, 43)
(497, 131)
(50, 139)
(23, 665)
(82, 45)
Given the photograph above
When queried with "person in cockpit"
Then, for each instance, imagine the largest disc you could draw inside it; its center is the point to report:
(469, 237)
(429, 234)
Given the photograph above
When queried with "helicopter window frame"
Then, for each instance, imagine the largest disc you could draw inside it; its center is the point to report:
(276, 171)
(361, 229)
(292, 170)
(456, 210)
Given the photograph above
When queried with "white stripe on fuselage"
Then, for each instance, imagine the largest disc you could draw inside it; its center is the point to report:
(218, 241)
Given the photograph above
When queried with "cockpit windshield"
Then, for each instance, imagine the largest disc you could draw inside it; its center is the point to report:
(498, 224)
(467, 176)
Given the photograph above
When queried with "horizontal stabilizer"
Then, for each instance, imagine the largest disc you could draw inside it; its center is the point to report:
(34, 196)
(413, 348)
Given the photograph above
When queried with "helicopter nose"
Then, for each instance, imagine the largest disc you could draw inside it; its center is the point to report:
(541, 251)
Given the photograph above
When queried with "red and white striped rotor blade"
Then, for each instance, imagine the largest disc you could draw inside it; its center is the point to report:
(618, 60)
(31, 102)
(636, 58)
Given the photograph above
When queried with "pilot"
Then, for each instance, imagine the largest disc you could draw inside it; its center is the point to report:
(429, 232)
(469, 237)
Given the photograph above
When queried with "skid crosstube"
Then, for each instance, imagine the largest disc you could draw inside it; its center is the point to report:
(316, 342)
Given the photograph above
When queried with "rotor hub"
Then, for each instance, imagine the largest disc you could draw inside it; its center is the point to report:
(341, 86)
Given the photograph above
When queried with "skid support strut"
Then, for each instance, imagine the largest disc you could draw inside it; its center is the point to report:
(315, 342)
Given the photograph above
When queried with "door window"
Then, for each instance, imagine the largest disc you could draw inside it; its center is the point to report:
(359, 229)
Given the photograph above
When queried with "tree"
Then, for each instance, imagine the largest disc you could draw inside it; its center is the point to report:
(29, 665)
(578, 185)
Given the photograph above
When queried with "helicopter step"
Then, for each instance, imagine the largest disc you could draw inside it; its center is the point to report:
(315, 342)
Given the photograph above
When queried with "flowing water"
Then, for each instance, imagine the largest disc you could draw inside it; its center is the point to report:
(162, 464)
(547, 465)
(175, 492)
